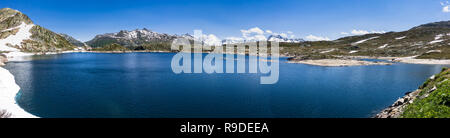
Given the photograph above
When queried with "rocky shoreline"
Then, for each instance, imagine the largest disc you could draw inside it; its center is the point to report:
(407, 60)
(334, 61)
(338, 62)
(414, 60)
(343, 61)
(397, 109)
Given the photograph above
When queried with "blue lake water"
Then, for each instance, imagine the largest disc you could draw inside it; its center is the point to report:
(143, 85)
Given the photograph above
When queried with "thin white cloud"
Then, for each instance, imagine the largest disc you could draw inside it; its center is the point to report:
(359, 32)
(257, 34)
(344, 33)
(213, 40)
(235, 38)
(254, 30)
(253, 34)
(288, 34)
(378, 32)
(317, 38)
(362, 32)
(445, 7)
(210, 39)
(292, 36)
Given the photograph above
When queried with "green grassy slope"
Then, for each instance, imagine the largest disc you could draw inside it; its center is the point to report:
(433, 100)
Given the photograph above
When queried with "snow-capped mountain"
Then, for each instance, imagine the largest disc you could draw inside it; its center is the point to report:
(279, 38)
(187, 36)
(233, 40)
(133, 38)
(140, 37)
(18, 33)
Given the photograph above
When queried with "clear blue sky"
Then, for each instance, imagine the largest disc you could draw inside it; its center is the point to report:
(84, 19)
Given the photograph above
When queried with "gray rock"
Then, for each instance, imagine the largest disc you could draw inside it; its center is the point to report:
(3, 60)
(433, 77)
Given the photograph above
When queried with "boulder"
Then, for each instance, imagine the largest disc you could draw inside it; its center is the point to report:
(3, 60)
(433, 77)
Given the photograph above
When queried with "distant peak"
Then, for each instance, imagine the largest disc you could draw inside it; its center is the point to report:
(279, 38)
(139, 30)
(145, 29)
(187, 34)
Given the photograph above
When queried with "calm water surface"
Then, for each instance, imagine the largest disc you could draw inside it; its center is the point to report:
(143, 85)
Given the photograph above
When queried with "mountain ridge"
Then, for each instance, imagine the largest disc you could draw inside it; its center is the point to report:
(441, 24)
(72, 40)
(18, 33)
(134, 38)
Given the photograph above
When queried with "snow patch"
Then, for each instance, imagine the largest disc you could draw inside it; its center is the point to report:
(23, 34)
(328, 51)
(436, 41)
(8, 91)
(132, 35)
(439, 36)
(384, 46)
(400, 38)
(362, 41)
(434, 51)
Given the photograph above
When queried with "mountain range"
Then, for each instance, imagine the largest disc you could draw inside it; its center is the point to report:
(133, 38)
(432, 40)
(425, 41)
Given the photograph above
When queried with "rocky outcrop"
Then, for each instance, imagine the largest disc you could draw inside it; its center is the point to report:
(3, 60)
(5, 114)
(10, 18)
(396, 110)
